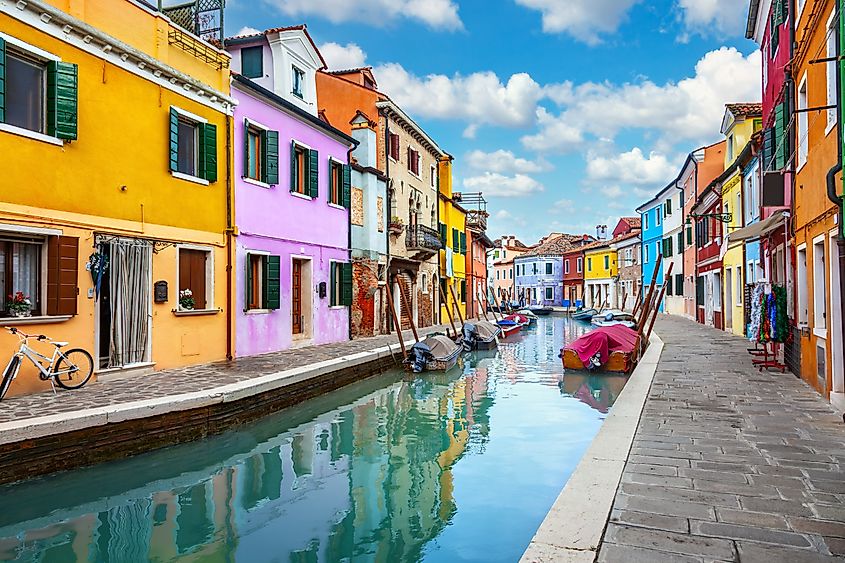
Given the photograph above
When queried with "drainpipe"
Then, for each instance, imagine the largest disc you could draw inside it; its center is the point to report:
(349, 238)
(388, 185)
(229, 242)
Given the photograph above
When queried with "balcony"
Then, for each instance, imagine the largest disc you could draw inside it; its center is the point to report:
(203, 18)
(422, 240)
(477, 220)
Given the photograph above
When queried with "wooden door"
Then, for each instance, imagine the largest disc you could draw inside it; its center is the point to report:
(296, 297)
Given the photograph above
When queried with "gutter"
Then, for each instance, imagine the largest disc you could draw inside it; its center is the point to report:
(831, 176)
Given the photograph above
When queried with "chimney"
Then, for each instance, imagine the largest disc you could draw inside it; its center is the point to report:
(601, 232)
(365, 152)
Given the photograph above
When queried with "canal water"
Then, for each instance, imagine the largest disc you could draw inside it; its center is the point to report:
(461, 466)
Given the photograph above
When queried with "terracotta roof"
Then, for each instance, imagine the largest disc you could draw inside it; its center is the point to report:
(746, 109)
(348, 70)
(635, 222)
(608, 242)
(558, 246)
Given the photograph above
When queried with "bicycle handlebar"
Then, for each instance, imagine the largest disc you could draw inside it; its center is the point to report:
(19, 332)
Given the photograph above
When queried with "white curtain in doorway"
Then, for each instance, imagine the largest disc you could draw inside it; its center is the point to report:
(130, 301)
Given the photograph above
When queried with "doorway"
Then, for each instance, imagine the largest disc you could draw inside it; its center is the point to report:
(296, 298)
(301, 299)
(729, 299)
(837, 362)
(123, 303)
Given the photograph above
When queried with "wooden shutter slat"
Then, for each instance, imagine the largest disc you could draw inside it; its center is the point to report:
(208, 151)
(246, 149)
(2, 80)
(62, 275)
(346, 287)
(313, 173)
(347, 186)
(332, 287)
(62, 104)
(198, 278)
(174, 140)
(271, 155)
(272, 282)
(293, 166)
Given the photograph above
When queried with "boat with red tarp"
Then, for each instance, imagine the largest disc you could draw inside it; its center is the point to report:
(510, 327)
(612, 348)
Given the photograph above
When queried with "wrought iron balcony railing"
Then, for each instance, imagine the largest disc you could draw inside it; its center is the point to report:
(477, 220)
(422, 238)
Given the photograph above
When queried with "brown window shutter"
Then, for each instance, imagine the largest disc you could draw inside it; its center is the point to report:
(62, 275)
(192, 274)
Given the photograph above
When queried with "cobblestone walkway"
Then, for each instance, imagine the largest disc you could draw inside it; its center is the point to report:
(728, 464)
(187, 380)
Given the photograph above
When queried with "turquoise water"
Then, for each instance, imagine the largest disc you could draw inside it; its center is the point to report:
(438, 467)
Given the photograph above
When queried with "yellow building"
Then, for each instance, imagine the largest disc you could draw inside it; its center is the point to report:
(453, 256)
(120, 185)
(740, 122)
(601, 273)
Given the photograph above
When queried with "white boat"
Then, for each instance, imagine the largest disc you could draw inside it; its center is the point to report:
(613, 318)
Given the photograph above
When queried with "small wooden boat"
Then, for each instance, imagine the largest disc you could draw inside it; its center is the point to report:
(434, 353)
(541, 311)
(520, 319)
(585, 315)
(614, 317)
(510, 328)
(532, 318)
(614, 349)
(481, 336)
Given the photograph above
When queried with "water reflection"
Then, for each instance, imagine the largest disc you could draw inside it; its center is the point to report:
(457, 466)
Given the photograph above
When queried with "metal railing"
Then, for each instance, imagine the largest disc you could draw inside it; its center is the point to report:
(420, 237)
(203, 18)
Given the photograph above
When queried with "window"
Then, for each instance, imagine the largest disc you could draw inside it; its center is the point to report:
(645, 220)
(819, 286)
(549, 268)
(679, 284)
(647, 257)
(20, 272)
(340, 284)
(304, 170)
(731, 147)
(433, 176)
(607, 262)
(261, 155)
(801, 285)
(193, 146)
(263, 282)
(550, 294)
(252, 64)
(830, 69)
(589, 264)
(802, 131)
(38, 92)
(668, 207)
(579, 265)
(738, 290)
(393, 146)
(195, 275)
(534, 266)
(657, 217)
(717, 291)
(298, 82)
(566, 266)
(680, 241)
(463, 291)
(497, 274)
(689, 236)
(414, 161)
(339, 183)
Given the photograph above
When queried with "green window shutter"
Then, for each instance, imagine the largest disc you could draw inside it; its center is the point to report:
(671, 246)
(332, 284)
(456, 240)
(313, 173)
(174, 140)
(248, 283)
(208, 151)
(2, 80)
(443, 235)
(62, 102)
(680, 241)
(463, 243)
(689, 236)
(346, 289)
(292, 166)
(272, 282)
(347, 186)
(271, 157)
(246, 149)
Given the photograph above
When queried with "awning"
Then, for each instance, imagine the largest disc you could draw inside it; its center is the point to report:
(755, 230)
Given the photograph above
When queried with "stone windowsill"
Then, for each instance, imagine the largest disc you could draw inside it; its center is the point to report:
(40, 320)
(195, 312)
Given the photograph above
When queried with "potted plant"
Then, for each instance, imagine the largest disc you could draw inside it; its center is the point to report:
(396, 226)
(19, 305)
(186, 299)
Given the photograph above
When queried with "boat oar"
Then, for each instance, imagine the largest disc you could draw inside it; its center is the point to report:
(637, 301)
(668, 279)
(457, 307)
(487, 304)
(405, 304)
(396, 323)
(448, 312)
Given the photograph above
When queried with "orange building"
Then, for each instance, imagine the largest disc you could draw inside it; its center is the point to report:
(815, 222)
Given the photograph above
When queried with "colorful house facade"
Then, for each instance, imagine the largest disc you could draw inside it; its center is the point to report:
(478, 244)
(293, 274)
(501, 270)
(90, 244)
(452, 227)
(651, 217)
(539, 272)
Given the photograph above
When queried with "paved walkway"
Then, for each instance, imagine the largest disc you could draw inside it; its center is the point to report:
(187, 380)
(728, 464)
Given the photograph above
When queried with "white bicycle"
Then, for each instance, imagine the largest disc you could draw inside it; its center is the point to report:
(70, 370)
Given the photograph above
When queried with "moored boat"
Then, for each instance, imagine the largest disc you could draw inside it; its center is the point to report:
(541, 311)
(614, 349)
(521, 320)
(510, 328)
(481, 336)
(613, 318)
(434, 353)
(532, 318)
(584, 315)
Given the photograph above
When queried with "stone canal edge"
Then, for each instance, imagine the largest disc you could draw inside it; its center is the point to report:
(573, 528)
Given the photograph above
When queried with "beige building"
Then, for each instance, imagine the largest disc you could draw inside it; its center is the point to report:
(413, 238)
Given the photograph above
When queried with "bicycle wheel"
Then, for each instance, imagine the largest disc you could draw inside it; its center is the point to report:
(73, 369)
(9, 374)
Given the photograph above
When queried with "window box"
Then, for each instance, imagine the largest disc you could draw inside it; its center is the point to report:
(195, 312)
(36, 320)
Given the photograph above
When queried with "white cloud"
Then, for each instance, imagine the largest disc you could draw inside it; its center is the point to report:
(564, 206)
(611, 191)
(340, 57)
(706, 16)
(498, 185)
(505, 162)
(688, 110)
(246, 30)
(633, 168)
(503, 214)
(437, 14)
(556, 135)
(479, 98)
(585, 20)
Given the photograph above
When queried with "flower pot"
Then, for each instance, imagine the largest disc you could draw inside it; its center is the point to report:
(22, 314)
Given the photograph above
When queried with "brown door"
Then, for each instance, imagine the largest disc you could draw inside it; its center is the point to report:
(296, 298)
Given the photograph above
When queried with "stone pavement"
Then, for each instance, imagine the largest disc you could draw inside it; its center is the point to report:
(187, 380)
(728, 464)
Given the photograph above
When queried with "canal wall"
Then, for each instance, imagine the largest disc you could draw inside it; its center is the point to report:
(48, 444)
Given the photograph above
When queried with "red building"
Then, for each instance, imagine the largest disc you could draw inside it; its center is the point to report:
(708, 267)
(478, 243)
(573, 274)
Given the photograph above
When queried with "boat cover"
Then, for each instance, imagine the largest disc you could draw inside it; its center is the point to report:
(518, 319)
(603, 341)
(441, 347)
(485, 330)
(507, 322)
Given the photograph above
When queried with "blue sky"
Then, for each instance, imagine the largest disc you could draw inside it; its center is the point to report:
(565, 113)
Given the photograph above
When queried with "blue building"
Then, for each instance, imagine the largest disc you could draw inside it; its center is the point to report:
(751, 209)
(651, 215)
